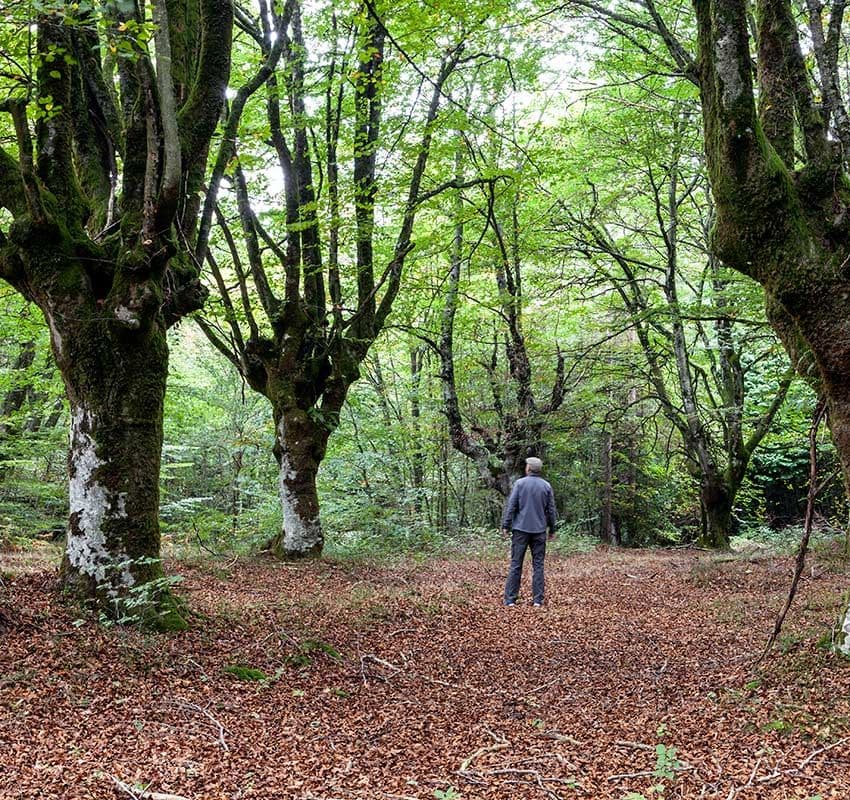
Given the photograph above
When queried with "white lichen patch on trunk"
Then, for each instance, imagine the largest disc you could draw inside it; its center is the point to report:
(844, 633)
(728, 68)
(92, 505)
(300, 532)
(128, 317)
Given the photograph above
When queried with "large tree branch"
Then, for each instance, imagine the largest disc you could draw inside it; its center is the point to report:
(683, 60)
(784, 86)
(826, 56)
(333, 123)
(270, 303)
(367, 105)
(403, 243)
(753, 190)
(96, 128)
(54, 129)
(306, 230)
(200, 114)
(240, 274)
(229, 310)
(765, 421)
(216, 339)
(172, 170)
(227, 148)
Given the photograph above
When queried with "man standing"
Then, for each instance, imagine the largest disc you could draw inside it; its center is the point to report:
(530, 510)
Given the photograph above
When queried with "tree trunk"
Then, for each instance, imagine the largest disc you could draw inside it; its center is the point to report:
(716, 501)
(606, 517)
(115, 380)
(16, 397)
(300, 446)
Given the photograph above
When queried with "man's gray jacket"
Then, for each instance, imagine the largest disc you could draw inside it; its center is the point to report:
(531, 506)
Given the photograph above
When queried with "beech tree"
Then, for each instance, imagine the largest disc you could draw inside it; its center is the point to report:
(499, 442)
(645, 231)
(777, 143)
(706, 403)
(782, 209)
(300, 339)
(101, 199)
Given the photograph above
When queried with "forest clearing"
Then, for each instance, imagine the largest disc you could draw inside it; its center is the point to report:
(411, 680)
(302, 300)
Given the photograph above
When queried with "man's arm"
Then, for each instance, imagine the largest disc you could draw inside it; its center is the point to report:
(510, 509)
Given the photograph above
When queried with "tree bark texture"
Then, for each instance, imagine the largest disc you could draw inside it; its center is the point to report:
(116, 388)
(300, 446)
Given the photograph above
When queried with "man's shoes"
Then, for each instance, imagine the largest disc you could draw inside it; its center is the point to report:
(509, 605)
(538, 605)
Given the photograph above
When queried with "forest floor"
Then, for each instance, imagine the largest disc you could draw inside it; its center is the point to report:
(410, 680)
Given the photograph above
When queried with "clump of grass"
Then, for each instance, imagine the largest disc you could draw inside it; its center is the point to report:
(246, 673)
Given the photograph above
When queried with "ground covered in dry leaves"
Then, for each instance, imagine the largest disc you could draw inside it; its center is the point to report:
(410, 680)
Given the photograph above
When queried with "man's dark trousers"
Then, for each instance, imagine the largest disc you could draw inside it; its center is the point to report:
(520, 540)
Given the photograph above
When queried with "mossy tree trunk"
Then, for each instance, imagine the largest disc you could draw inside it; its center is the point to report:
(783, 212)
(300, 445)
(782, 216)
(110, 270)
(115, 382)
(778, 170)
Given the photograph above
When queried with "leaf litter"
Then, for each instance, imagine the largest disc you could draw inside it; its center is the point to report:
(348, 681)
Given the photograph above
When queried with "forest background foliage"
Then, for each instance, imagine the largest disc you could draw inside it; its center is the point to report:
(572, 139)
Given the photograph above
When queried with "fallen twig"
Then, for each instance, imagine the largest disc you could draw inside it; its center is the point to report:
(187, 706)
(561, 737)
(635, 745)
(625, 775)
(822, 750)
(143, 794)
(543, 686)
(500, 744)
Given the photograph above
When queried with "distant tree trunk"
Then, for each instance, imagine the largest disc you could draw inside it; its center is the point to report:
(299, 448)
(716, 500)
(37, 421)
(16, 397)
(443, 477)
(606, 519)
(418, 454)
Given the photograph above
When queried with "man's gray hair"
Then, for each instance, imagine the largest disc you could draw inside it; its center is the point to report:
(534, 464)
